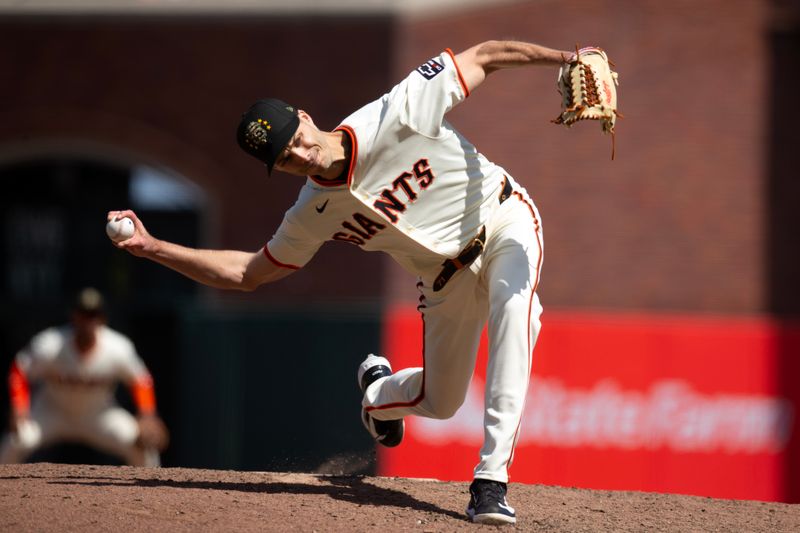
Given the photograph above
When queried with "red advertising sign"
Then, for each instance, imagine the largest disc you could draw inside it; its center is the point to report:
(655, 403)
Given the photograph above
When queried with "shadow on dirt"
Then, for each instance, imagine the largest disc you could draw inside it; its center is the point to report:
(346, 488)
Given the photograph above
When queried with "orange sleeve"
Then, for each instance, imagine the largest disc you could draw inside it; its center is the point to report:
(19, 390)
(144, 395)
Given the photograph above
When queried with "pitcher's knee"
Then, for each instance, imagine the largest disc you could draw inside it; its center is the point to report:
(443, 409)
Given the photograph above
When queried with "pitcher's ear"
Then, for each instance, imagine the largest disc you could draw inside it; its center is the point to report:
(305, 116)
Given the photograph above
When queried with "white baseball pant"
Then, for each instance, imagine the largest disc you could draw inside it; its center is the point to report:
(500, 286)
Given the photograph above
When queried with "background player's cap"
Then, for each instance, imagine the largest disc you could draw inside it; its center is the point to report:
(89, 301)
(266, 128)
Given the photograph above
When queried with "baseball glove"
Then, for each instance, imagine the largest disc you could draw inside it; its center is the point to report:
(588, 89)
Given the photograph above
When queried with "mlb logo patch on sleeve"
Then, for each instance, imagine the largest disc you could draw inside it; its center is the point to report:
(430, 69)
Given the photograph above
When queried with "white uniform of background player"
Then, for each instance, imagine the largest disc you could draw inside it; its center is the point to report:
(72, 395)
(396, 177)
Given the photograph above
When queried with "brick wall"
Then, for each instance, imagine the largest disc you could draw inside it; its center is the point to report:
(679, 221)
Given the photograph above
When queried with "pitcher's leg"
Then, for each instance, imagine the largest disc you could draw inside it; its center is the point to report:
(507, 379)
(512, 276)
(452, 323)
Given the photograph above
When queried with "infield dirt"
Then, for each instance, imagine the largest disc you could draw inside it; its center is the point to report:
(52, 497)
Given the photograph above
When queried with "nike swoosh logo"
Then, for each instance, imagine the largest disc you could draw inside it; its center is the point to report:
(321, 208)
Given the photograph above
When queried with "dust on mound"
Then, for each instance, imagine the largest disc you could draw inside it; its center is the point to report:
(51, 497)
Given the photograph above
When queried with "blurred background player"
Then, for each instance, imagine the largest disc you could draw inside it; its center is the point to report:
(62, 387)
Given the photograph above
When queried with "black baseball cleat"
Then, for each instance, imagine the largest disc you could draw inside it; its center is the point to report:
(488, 505)
(386, 432)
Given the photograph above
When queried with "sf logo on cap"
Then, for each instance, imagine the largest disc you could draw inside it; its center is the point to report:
(256, 134)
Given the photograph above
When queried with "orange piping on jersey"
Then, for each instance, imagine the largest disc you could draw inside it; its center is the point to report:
(353, 150)
(19, 390)
(271, 258)
(458, 71)
(530, 307)
(144, 395)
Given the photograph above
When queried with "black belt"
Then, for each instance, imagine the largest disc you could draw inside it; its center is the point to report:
(472, 250)
(507, 190)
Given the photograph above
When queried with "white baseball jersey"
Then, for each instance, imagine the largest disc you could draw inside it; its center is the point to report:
(78, 384)
(416, 188)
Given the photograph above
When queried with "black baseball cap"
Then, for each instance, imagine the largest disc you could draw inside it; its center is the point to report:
(266, 128)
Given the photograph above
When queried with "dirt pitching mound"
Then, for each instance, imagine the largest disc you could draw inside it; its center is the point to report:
(51, 497)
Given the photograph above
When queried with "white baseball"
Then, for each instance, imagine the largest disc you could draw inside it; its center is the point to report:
(120, 229)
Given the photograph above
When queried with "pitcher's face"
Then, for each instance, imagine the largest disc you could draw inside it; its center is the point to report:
(306, 153)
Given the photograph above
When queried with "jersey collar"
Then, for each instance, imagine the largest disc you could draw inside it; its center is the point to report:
(346, 176)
